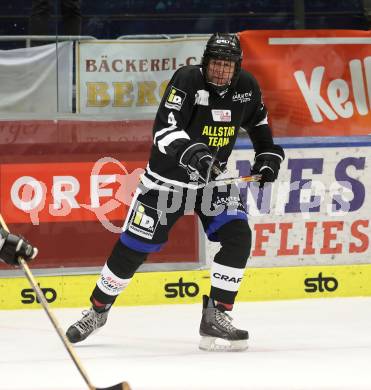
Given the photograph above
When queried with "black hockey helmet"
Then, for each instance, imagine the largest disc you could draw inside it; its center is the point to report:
(223, 46)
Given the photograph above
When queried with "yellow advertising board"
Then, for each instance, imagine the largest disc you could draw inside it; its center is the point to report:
(156, 288)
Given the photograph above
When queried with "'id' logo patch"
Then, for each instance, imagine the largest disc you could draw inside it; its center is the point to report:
(144, 220)
(175, 99)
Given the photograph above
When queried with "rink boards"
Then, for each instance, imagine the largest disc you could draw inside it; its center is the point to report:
(152, 288)
(311, 237)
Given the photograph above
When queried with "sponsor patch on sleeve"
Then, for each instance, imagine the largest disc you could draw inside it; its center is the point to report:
(175, 99)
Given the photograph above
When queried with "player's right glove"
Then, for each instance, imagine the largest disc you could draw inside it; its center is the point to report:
(13, 246)
(196, 158)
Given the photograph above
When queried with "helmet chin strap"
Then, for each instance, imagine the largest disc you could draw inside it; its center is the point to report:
(220, 89)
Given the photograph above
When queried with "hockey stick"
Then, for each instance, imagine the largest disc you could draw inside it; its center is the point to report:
(212, 167)
(240, 179)
(230, 180)
(52, 318)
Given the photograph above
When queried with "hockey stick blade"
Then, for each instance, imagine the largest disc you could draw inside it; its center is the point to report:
(241, 179)
(41, 297)
(120, 386)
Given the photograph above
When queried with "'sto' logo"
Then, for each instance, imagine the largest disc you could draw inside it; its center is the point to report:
(321, 284)
(181, 289)
(29, 295)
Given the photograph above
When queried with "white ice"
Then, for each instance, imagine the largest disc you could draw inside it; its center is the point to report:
(308, 344)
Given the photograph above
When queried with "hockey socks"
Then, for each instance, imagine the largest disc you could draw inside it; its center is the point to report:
(224, 306)
(100, 307)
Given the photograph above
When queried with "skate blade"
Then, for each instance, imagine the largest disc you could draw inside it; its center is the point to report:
(215, 344)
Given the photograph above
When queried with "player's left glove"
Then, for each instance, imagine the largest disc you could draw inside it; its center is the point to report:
(267, 163)
(12, 246)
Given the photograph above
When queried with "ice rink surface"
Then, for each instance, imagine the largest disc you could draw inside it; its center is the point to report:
(302, 344)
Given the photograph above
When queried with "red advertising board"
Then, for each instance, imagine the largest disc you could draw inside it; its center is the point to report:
(314, 82)
(67, 187)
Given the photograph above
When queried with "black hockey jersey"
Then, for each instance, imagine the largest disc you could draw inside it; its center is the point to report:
(190, 110)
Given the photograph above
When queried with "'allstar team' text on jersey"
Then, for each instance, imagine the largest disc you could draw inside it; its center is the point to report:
(190, 110)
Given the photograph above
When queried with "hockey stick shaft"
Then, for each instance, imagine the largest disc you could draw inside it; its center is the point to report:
(40, 295)
(213, 167)
(241, 179)
(231, 180)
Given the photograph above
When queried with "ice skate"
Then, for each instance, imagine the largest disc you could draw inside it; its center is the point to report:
(217, 332)
(89, 323)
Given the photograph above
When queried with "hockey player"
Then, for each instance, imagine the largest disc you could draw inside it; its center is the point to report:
(13, 246)
(194, 132)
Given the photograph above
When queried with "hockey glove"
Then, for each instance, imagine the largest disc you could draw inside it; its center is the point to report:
(267, 164)
(13, 246)
(196, 158)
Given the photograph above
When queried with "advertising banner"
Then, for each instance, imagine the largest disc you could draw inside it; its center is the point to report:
(314, 82)
(67, 186)
(180, 287)
(316, 213)
(130, 77)
(32, 82)
(77, 191)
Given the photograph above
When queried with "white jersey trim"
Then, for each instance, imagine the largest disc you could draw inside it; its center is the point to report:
(173, 182)
(166, 141)
(263, 121)
(163, 131)
(152, 185)
(2, 241)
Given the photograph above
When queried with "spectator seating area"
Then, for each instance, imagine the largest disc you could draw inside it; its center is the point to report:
(107, 19)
